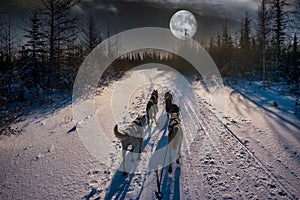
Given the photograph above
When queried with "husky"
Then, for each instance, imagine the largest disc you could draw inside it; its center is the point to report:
(169, 105)
(152, 108)
(168, 98)
(175, 137)
(131, 136)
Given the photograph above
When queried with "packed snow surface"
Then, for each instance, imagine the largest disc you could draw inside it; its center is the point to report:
(249, 151)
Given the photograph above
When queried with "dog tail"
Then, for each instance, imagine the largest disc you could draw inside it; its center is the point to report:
(118, 134)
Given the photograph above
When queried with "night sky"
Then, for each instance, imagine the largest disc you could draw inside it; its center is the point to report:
(127, 14)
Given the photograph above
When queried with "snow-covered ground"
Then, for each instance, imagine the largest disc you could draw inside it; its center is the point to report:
(250, 152)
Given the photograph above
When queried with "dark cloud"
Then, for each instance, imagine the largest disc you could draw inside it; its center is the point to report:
(231, 9)
(122, 15)
(210, 14)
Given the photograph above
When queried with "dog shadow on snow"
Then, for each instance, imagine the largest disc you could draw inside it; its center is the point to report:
(170, 186)
(150, 130)
(120, 184)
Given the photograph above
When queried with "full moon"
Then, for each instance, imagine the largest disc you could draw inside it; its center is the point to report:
(183, 24)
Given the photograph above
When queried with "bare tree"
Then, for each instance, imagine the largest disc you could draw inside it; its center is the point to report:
(60, 28)
(8, 47)
(7, 42)
(1, 36)
(91, 34)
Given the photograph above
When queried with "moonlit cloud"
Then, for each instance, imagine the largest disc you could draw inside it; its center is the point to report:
(122, 15)
(107, 7)
(231, 9)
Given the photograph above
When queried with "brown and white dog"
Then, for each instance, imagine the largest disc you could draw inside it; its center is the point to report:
(131, 136)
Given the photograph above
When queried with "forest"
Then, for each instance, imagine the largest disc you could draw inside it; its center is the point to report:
(53, 44)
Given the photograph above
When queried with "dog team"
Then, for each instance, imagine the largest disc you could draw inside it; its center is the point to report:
(133, 135)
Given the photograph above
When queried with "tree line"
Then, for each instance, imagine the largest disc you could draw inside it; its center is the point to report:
(54, 46)
(265, 48)
(55, 41)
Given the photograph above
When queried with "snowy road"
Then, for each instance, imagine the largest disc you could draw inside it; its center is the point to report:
(237, 156)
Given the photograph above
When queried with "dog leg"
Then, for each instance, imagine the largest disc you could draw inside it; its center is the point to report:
(140, 149)
(132, 158)
(170, 158)
(148, 117)
(123, 163)
(155, 113)
(170, 168)
(155, 118)
(178, 152)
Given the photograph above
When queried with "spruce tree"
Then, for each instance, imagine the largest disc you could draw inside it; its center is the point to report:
(32, 71)
(263, 31)
(245, 59)
(279, 14)
(35, 43)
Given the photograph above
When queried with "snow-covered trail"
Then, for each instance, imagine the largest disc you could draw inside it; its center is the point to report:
(220, 161)
(274, 144)
(235, 157)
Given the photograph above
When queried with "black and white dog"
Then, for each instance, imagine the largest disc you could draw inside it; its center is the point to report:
(168, 101)
(152, 107)
(131, 136)
(169, 105)
(175, 133)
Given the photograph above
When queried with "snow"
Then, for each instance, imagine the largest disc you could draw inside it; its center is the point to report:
(250, 152)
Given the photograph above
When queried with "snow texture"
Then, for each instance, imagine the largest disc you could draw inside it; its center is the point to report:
(251, 152)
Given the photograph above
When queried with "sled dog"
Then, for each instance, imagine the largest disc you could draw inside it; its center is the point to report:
(169, 105)
(131, 136)
(152, 108)
(168, 100)
(175, 137)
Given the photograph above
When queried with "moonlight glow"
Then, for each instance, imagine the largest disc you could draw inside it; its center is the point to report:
(183, 24)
